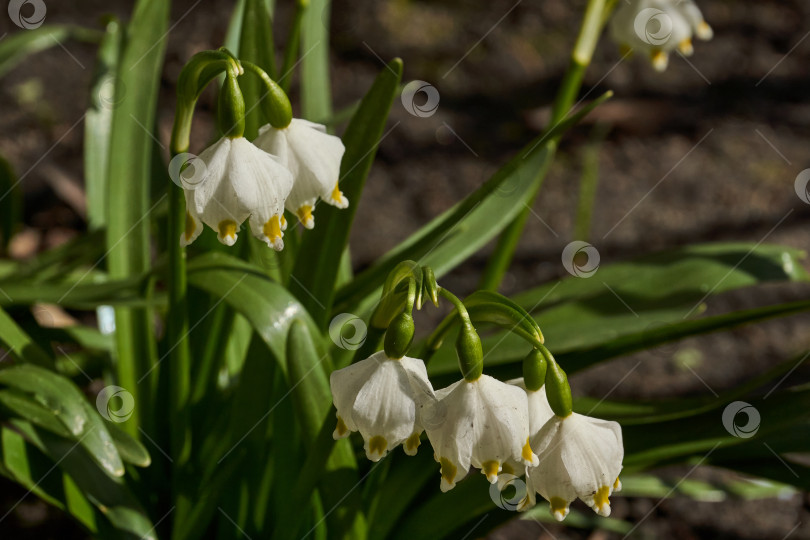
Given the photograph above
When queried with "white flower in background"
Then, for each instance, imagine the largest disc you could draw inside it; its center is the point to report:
(539, 413)
(484, 423)
(580, 457)
(658, 27)
(240, 182)
(313, 157)
(381, 398)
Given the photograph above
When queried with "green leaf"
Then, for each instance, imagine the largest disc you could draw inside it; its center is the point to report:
(462, 230)
(67, 403)
(16, 47)
(29, 468)
(588, 320)
(130, 449)
(314, 284)
(107, 493)
(316, 96)
(129, 201)
(20, 344)
(311, 396)
(26, 408)
(104, 96)
(255, 45)
(266, 304)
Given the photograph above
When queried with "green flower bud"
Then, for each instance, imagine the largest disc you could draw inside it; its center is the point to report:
(558, 391)
(470, 352)
(231, 108)
(275, 103)
(534, 370)
(399, 336)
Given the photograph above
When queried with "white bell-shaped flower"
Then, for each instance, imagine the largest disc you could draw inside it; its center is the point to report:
(658, 27)
(539, 413)
(382, 399)
(313, 156)
(239, 182)
(483, 423)
(580, 457)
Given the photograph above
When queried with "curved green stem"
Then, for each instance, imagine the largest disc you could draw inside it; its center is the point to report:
(592, 23)
(276, 104)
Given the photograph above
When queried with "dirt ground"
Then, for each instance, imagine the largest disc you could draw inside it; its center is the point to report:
(706, 151)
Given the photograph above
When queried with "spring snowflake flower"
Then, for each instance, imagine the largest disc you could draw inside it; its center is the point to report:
(539, 413)
(239, 182)
(314, 157)
(580, 457)
(382, 398)
(483, 423)
(658, 27)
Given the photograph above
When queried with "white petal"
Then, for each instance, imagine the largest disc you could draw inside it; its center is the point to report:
(592, 456)
(346, 383)
(384, 410)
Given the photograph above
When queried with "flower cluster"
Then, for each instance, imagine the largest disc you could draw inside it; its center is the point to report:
(283, 168)
(291, 164)
(658, 27)
(502, 428)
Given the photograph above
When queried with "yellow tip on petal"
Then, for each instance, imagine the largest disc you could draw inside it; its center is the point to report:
(227, 232)
(283, 223)
(601, 502)
(660, 60)
(529, 457)
(704, 31)
(376, 448)
(191, 225)
(448, 471)
(686, 47)
(411, 444)
(305, 216)
(559, 508)
(273, 234)
(617, 485)
(491, 470)
(341, 430)
(337, 198)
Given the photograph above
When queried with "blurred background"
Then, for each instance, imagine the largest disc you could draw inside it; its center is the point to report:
(707, 151)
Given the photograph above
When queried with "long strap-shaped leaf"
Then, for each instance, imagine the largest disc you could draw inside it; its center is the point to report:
(129, 203)
(463, 229)
(314, 280)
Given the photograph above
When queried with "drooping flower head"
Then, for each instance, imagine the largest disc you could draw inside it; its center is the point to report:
(483, 423)
(239, 182)
(382, 398)
(580, 457)
(658, 27)
(313, 156)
